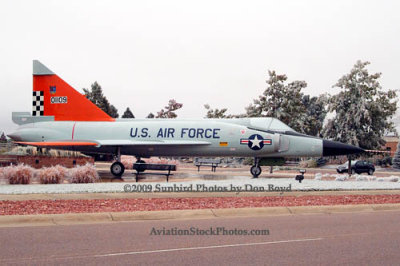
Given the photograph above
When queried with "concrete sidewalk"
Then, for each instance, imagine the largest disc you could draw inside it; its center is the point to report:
(187, 172)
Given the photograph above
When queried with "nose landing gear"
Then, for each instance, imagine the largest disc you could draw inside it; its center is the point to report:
(255, 170)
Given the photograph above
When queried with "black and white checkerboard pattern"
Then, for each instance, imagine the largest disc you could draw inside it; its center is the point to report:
(38, 103)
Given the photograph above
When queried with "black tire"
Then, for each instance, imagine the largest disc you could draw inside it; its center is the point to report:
(117, 169)
(339, 172)
(370, 172)
(255, 171)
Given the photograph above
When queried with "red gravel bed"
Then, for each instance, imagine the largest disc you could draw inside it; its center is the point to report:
(157, 204)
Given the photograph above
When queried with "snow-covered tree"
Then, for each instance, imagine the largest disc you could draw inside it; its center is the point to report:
(286, 102)
(269, 103)
(170, 109)
(362, 109)
(315, 114)
(128, 113)
(280, 100)
(215, 113)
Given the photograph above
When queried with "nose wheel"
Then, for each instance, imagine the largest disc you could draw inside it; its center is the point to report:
(117, 168)
(255, 170)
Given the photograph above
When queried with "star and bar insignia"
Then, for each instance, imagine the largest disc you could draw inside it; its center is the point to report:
(256, 142)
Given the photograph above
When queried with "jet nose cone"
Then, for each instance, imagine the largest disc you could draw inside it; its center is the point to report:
(14, 136)
(332, 148)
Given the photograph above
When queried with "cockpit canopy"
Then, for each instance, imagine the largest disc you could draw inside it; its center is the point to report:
(261, 123)
(269, 123)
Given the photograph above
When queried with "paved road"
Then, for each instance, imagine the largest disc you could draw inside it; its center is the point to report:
(318, 239)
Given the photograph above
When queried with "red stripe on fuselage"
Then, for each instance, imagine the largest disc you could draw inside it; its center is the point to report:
(73, 130)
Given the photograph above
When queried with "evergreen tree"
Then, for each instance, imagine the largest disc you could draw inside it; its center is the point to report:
(170, 109)
(362, 109)
(3, 138)
(396, 158)
(151, 115)
(128, 113)
(95, 95)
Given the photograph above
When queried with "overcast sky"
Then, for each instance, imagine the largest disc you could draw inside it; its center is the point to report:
(144, 53)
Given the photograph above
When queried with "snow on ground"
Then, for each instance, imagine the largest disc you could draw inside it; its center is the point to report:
(242, 183)
(356, 177)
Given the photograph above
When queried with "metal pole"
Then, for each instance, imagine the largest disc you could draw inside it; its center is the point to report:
(349, 167)
(118, 154)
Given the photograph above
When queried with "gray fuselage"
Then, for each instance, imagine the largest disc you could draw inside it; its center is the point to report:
(248, 137)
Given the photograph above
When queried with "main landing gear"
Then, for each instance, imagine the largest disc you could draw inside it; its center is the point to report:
(117, 168)
(255, 170)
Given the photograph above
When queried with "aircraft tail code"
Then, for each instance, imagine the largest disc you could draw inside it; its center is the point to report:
(52, 96)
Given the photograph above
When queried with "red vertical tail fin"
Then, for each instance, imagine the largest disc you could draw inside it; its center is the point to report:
(52, 96)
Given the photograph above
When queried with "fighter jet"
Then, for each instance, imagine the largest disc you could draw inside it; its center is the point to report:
(63, 118)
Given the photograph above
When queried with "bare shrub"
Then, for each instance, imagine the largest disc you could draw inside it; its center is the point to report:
(156, 160)
(20, 174)
(308, 164)
(84, 174)
(52, 175)
(128, 161)
(63, 170)
(2, 178)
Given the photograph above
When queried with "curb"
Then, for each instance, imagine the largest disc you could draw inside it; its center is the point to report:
(109, 217)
